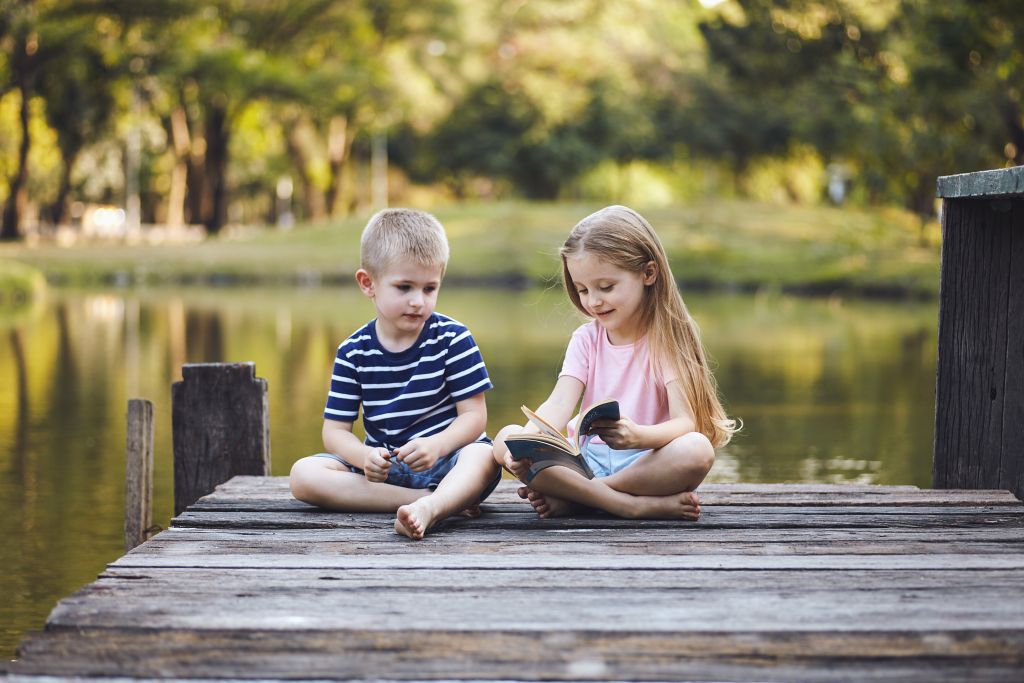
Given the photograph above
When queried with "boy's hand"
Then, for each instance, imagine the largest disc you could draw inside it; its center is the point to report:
(519, 468)
(419, 454)
(377, 465)
(619, 434)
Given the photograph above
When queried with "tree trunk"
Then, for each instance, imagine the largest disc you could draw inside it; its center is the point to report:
(311, 196)
(14, 208)
(214, 199)
(339, 144)
(182, 145)
(59, 208)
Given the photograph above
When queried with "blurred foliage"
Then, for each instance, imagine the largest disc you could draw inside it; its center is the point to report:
(240, 110)
(21, 289)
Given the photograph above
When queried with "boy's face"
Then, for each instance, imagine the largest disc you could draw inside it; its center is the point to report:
(404, 295)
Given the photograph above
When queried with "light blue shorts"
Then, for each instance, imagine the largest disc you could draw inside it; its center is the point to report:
(605, 461)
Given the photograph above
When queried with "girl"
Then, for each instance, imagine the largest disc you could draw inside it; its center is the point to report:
(641, 348)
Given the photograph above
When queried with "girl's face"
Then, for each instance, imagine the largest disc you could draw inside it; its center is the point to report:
(610, 294)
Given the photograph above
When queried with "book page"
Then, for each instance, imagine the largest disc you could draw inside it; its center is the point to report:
(544, 426)
(536, 446)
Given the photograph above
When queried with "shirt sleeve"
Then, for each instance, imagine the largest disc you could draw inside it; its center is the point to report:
(464, 371)
(345, 394)
(577, 356)
(666, 373)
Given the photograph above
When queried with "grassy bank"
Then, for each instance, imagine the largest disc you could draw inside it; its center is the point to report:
(19, 284)
(719, 244)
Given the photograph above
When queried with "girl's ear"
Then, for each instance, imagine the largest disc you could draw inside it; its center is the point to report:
(650, 273)
(365, 282)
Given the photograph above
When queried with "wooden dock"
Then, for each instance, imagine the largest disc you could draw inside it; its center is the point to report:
(774, 583)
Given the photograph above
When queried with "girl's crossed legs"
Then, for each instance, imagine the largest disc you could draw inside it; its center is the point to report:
(657, 485)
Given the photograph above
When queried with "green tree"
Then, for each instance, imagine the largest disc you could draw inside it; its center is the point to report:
(19, 36)
(78, 88)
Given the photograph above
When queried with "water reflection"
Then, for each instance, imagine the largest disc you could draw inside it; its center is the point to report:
(828, 391)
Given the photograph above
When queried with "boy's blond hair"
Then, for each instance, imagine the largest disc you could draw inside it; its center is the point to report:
(393, 235)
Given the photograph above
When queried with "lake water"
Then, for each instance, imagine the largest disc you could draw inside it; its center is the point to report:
(828, 390)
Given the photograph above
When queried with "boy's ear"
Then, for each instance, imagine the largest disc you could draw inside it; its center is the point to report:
(650, 273)
(365, 282)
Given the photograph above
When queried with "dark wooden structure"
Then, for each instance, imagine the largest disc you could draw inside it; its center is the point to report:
(138, 489)
(221, 423)
(775, 582)
(979, 406)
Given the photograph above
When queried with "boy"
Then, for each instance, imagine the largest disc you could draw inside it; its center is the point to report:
(420, 380)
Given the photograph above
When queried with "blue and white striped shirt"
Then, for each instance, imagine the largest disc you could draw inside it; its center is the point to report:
(409, 394)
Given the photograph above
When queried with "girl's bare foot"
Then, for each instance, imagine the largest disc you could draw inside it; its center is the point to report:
(414, 519)
(547, 506)
(677, 506)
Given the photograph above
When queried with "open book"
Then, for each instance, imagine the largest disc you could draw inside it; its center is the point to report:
(551, 447)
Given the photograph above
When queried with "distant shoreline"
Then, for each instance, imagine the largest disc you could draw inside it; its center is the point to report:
(713, 246)
(502, 281)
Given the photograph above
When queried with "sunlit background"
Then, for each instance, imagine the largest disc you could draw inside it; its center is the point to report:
(189, 178)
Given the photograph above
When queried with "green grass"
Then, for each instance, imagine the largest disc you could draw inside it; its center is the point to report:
(19, 284)
(21, 292)
(726, 244)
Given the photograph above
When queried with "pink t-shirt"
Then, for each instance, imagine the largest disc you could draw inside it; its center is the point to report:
(619, 372)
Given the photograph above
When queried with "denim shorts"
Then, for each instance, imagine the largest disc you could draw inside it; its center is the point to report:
(605, 461)
(399, 474)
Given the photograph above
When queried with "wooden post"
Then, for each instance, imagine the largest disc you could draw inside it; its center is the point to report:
(138, 489)
(979, 399)
(221, 428)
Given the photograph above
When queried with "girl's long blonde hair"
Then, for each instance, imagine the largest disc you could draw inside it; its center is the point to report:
(622, 237)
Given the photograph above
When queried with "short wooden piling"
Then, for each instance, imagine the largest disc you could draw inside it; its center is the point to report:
(979, 402)
(220, 428)
(138, 490)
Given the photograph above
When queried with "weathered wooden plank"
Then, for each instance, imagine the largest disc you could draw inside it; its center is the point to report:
(1000, 182)
(972, 344)
(623, 540)
(171, 580)
(511, 655)
(478, 608)
(138, 488)
(502, 503)
(552, 547)
(1011, 464)
(373, 540)
(221, 427)
(524, 556)
(724, 517)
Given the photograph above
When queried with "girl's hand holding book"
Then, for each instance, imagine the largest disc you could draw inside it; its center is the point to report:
(620, 434)
(518, 468)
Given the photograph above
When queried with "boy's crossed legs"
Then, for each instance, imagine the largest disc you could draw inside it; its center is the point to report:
(658, 485)
(460, 489)
(329, 483)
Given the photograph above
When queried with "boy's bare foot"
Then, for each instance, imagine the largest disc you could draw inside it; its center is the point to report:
(547, 506)
(472, 512)
(413, 520)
